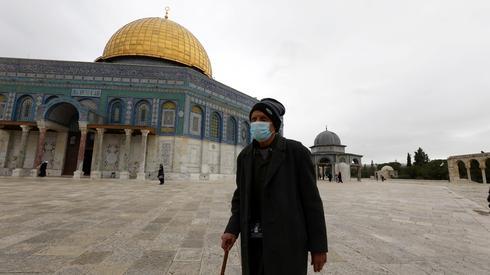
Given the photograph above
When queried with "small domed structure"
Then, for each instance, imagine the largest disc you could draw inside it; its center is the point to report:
(387, 172)
(327, 138)
(330, 157)
(387, 168)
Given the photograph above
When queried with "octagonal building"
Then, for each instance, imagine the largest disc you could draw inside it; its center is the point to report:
(329, 157)
(149, 99)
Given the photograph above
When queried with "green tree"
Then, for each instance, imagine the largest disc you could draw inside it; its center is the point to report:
(420, 157)
(409, 159)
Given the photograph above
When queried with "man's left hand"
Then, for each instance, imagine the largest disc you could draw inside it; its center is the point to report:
(318, 260)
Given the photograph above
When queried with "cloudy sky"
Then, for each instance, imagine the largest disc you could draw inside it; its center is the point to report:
(386, 76)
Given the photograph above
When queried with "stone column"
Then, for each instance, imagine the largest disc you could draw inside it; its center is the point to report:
(144, 137)
(468, 171)
(124, 173)
(359, 174)
(97, 173)
(19, 166)
(484, 174)
(39, 151)
(81, 153)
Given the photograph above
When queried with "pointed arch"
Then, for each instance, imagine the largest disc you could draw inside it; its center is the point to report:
(196, 121)
(245, 133)
(142, 113)
(25, 108)
(215, 126)
(231, 130)
(168, 116)
(115, 111)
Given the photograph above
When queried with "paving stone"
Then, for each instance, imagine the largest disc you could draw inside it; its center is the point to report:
(188, 254)
(117, 227)
(91, 257)
(152, 262)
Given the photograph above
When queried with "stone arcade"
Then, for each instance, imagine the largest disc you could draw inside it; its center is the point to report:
(149, 99)
(468, 168)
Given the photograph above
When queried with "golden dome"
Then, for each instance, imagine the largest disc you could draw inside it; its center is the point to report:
(159, 38)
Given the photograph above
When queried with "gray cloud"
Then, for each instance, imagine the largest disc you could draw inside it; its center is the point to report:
(386, 76)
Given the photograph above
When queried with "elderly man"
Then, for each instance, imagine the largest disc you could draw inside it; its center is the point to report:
(276, 208)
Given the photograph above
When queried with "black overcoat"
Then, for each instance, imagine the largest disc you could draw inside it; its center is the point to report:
(292, 212)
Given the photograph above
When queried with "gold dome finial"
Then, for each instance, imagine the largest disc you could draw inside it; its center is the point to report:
(167, 9)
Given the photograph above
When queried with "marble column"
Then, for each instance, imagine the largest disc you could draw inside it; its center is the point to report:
(97, 173)
(39, 151)
(144, 137)
(19, 166)
(124, 173)
(81, 153)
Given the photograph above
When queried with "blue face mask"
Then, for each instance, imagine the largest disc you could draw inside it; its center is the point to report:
(260, 131)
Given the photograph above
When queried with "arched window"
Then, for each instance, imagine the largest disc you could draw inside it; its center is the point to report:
(25, 108)
(245, 133)
(231, 130)
(3, 106)
(168, 117)
(115, 112)
(215, 126)
(196, 121)
(142, 113)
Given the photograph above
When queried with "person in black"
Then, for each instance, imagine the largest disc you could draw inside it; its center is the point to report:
(161, 174)
(329, 177)
(276, 208)
(488, 198)
(340, 178)
(42, 169)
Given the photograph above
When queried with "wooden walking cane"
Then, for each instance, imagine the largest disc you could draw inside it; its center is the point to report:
(223, 266)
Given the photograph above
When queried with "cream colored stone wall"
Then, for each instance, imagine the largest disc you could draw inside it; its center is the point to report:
(54, 151)
(4, 146)
(182, 157)
(13, 149)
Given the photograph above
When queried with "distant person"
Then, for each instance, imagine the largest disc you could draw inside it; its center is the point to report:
(382, 178)
(276, 208)
(340, 178)
(488, 198)
(42, 169)
(329, 177)
(161, 175)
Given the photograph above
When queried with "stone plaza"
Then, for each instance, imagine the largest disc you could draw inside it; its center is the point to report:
(70, 226)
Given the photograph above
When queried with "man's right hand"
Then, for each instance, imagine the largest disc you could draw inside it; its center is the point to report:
(227, 241)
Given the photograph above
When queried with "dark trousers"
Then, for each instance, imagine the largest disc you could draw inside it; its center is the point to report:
(255, 257)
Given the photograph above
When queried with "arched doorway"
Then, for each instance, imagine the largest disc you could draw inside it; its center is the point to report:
(325, 168)
(475, 171)
(355, 169)
(67, 115)
(462, 170)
